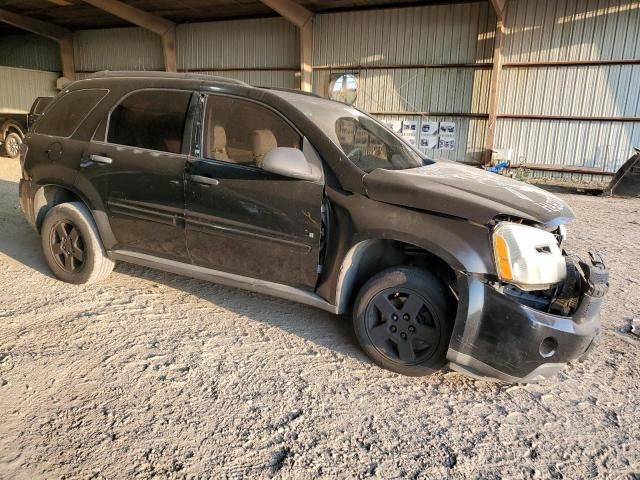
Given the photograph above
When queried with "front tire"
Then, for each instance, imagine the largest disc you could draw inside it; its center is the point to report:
(12, 143)
(71, 245)
(403, 319)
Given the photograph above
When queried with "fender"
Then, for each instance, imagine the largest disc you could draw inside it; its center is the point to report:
(12, 124)
(94, 201)
(360, 253)
(461, 247)
(464, 246)
(48, 195)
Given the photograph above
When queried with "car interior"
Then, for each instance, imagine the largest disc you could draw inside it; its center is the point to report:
(239, 132)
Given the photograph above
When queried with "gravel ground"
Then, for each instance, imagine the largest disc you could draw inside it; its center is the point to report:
(150, 374)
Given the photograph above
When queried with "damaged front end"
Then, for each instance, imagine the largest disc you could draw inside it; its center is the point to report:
(524, 326)
(585, 285)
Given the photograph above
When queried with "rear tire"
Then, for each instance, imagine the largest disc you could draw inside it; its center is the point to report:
(403, 319)
(71, 245)
(12, 143)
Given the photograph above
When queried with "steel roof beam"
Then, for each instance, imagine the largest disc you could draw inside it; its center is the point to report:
(292, 11)
(303, 19)
(60, 34)
(49, 30)
(499, 6)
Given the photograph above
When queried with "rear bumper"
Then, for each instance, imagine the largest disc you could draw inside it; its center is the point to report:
(26, 193)
(498, 338)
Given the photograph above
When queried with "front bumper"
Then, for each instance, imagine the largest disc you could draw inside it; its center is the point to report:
(497, 337)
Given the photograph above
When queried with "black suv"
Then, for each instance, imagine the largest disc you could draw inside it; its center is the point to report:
(293, 195)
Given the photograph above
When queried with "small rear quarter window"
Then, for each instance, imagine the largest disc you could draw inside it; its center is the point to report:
(40, 104)
(66, 113)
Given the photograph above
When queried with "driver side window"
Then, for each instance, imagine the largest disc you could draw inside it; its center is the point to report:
(237, 131)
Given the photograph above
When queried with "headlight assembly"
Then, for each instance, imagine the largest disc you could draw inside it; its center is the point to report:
(527, 257)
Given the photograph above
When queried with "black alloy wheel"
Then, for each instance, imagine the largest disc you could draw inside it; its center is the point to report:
(71, 245)
(402, 326)
(67, 246)
(403, 318)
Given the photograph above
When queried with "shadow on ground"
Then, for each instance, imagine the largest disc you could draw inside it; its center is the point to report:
(314, 325)
(21, 243)
(17, 239)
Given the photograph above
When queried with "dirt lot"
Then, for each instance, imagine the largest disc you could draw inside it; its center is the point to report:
(150, 374)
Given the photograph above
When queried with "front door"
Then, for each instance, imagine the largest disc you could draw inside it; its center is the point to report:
(139, 171)
(241, 219)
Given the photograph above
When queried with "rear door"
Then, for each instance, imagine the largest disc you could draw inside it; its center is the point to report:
(137, 161)
(239, 218)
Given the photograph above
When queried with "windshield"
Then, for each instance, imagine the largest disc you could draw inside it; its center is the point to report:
(363, 139)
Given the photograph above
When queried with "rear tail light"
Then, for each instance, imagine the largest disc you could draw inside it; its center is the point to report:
(24, 148)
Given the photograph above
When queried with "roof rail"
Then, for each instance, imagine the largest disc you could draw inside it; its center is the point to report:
(293, 90)
(158, 74)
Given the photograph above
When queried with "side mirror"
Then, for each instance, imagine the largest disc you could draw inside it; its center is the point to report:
(290, 162)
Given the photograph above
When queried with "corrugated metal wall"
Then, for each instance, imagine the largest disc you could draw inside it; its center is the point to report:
(424, 63)
(29, 51)
(571, 31)
(258, 51)
(117, 49)
(400, 57)
(430, 34)
(20, 87)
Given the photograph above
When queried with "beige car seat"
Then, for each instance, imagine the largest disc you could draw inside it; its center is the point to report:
(217, 147)
(263, 142)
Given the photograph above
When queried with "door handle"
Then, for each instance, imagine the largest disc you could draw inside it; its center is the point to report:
(203, 180)
(101, 159)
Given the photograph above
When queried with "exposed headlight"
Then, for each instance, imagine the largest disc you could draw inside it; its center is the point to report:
(527, 257)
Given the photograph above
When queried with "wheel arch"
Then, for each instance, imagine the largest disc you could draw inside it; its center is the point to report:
(369, 257)
(11, 126)
(48, 196)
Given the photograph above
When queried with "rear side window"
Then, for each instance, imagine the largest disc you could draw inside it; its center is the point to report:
(66, 113)
(150, 119)
(41, 104)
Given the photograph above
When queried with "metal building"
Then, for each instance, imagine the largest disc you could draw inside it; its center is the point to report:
(555, 82)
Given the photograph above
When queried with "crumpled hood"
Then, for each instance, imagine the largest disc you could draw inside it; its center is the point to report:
(454, 189)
